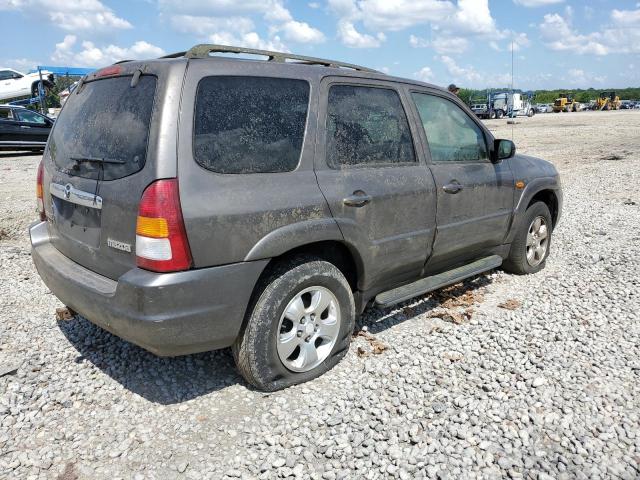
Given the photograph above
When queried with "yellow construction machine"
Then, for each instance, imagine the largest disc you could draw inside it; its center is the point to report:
(608, 101)
(565, 103)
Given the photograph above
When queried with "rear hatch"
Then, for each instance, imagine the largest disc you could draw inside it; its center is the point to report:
(103, 152)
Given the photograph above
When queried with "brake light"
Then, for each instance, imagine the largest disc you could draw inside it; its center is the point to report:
(161, 239)
(40, 192)
(108, 71)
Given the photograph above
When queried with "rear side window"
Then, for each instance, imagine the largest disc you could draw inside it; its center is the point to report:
(249, 124)
(107, 120)
(366, 125)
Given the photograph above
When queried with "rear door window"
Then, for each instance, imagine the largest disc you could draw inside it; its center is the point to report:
(366, 126)
(109, 119)
(249, 124)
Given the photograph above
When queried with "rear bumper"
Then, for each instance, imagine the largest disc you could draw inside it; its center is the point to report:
(168, 314)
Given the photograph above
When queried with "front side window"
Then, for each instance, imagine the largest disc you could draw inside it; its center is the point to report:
(451, 134)
(250, 124)
(31, 117)
(5, 114)
(366, 126)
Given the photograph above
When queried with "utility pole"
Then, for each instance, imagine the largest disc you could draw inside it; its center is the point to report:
(511, 78)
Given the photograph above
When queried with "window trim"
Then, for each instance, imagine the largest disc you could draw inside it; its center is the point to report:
(423, 133)
(268, 77)
(358, 82)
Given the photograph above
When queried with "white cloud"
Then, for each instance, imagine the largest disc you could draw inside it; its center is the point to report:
(536, 3)
(578, 78)
(206, 25)
(469, 77)
(89, 55)
(301, 32)
(626, 17)
(248, 40)
(453, 24)
(425, 74)
(450, 45)
(89, 15)
(21, 64)
(559, 35)
(468, 74)
(350, 37)
(230, 21)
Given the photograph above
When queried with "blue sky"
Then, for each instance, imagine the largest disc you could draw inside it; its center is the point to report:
(557, 43)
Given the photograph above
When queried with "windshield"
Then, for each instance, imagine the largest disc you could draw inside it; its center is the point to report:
(107, 120)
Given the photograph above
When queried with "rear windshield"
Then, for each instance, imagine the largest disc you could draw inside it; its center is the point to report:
(109, 120)
(250, 124)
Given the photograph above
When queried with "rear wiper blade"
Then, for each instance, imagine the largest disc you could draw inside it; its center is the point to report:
(96, 160)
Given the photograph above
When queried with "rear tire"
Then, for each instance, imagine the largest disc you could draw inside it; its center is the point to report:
(499, 114)
(531, 245)
(261, 351)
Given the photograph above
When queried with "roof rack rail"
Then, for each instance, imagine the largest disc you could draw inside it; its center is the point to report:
(203, 50)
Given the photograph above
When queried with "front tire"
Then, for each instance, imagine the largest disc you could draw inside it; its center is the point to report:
(299, 325)
(531, 245)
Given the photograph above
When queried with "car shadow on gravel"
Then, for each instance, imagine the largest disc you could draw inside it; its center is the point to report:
(453, 304)
(162, 380)
(171, 380)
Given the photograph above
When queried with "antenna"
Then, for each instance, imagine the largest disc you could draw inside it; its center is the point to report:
(512, 115)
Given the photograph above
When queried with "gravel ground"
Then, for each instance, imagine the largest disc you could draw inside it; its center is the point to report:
(524, 377)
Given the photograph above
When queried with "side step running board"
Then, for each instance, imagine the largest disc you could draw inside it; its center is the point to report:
(440, 280)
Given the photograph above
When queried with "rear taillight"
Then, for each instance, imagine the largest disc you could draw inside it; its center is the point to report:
(40, 192)
(161, 239)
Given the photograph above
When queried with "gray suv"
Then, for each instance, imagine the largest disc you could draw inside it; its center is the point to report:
(197, 202)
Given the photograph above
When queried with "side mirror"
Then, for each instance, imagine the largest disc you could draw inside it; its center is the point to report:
(503, 149)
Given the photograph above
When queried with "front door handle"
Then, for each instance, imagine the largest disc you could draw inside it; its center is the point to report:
(25, 126)
(453, 187)
(358, 199)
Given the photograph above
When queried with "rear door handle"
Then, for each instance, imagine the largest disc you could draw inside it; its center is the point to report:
(25, 126)
(358, 199)
(453, 187)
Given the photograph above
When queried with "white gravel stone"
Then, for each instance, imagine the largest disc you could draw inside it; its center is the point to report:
(548, 390)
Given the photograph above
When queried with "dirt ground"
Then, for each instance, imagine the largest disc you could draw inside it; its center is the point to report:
(537, 377)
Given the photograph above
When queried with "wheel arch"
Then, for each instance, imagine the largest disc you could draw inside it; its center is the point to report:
(540, 190)
(549, 197)
(337, 252)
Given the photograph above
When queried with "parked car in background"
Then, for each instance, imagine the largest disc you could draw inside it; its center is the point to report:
(543, 108)
(64, 94)
(206, 202)
(14, 84)
(23, 129)
(626, 105)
